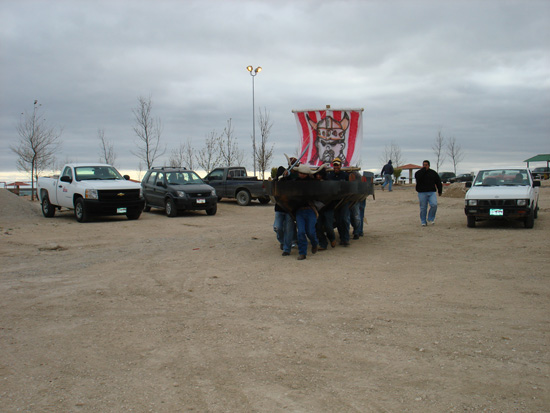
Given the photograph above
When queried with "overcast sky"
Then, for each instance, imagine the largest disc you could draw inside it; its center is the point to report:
(479, 71)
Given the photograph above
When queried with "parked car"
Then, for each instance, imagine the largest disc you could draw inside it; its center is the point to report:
(177, 189)
(502, 194)
(234, 182)
(462, 178)
(445, 176)
(541, 173)
(90, 189)
(378, 179)
(403, 179)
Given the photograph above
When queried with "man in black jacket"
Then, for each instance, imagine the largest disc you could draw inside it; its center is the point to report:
(427, 183)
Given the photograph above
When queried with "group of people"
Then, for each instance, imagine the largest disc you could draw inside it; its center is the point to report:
(314, 221)
(317, 222)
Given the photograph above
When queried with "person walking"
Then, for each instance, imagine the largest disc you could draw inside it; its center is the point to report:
(387, 172)
(342, 214)
(427, 183)
(306, 217)
(285, 229)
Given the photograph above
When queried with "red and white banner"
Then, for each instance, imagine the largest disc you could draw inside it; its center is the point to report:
(330, 134)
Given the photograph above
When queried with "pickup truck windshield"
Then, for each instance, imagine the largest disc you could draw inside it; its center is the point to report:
(502, 177)
(102, 173)
(183, 178)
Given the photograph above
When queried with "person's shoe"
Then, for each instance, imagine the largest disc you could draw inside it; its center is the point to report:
(356, 236)
(333, 243)
(431, 222)
(294, 245)
(321, 249)
(301, 257)
(314, 249)
(284, 254)
(423, 225)
(345, 243)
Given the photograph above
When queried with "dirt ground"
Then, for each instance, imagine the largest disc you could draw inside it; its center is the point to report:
(202, 313)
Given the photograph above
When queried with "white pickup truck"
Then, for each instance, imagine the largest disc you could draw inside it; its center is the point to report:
(90, 189)
(502, 194)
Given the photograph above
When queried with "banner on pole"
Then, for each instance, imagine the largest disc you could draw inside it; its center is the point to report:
(331, 134)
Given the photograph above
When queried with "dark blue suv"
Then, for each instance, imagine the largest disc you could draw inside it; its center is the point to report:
(177, 189)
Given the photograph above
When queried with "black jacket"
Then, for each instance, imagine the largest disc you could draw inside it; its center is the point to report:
(387, 169)
(428, 181)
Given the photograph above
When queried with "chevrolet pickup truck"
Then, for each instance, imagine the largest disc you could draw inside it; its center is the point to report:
(502, 194)
(90, 189)
(233, 182)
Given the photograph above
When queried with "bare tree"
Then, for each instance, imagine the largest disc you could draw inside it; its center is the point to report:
(38, 143)
(148, 130)
(229, 149)
(455, 152)
(439, 150)
(183, 156)
(208, 157)
(107, 153)
(263, 153)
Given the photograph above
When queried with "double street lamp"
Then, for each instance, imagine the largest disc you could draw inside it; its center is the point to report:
(253, 72)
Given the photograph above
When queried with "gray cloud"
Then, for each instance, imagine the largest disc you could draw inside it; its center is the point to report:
(479, 70)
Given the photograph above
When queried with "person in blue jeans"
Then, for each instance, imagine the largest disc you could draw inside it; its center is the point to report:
(342, 214)
(387, 172)
(284, 228)
(427, 184)
(306, 218)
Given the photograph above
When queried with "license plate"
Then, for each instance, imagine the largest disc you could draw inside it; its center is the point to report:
(496, 212)
(121, 210)
(201, 201)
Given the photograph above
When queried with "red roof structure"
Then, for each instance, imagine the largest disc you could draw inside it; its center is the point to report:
(410, 167)
(18, 183)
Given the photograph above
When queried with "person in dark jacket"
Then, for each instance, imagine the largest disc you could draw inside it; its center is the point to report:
(342, 214)
(427, 183)
(387, 172)
(306, 217)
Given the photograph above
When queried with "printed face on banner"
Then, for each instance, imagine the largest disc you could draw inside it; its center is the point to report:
(330, 134)
(330, 140)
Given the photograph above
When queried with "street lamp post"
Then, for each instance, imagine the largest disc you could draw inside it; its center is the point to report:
(253, 72)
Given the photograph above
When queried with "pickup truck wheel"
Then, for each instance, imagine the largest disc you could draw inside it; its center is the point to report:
(47, 208)
(212, 211)
(264, 200)
(243, 197)
(530, 220)
(80, 212)
(147, 207)
(471, 222)
(133, 214)
(170, 208)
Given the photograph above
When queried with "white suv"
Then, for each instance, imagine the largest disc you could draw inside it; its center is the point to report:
(502, 194)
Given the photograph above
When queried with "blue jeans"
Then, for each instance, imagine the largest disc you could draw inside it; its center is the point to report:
(305, 222)
(343, 222)
(426, 198)
(325, 227)
(357, 215)
(387, 181)
(284, 228)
